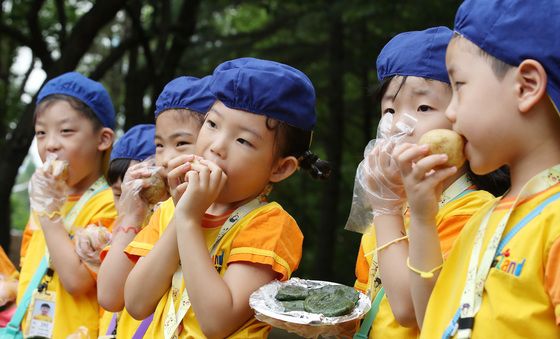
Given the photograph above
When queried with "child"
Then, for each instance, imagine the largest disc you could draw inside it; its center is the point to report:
(179, 114)
(415, 85)
(136, 145)
(74, 121)
(501, 277)
(223, 241)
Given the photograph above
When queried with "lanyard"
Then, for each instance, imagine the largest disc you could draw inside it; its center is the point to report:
(173, 319)
(476, 275)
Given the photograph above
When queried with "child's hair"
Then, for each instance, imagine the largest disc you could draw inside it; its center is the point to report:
(496, 182)
(76, 104)
(292, 141)
(499, 67)
(117, 170)
(184, 113)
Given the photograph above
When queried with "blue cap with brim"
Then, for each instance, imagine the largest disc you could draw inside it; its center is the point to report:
(186, 93)
(268, 88)
(416, 53)
(516, 30)
(90, 92)
(136, 144)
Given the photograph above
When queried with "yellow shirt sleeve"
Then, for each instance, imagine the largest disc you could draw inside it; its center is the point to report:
(552, 277)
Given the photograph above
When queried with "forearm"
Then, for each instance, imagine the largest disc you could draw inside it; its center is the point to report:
(393, 269)
(424, 255)
(113, 273)
(219, 310)
(72, 271)
(150, 278)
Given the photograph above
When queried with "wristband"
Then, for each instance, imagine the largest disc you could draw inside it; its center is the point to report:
(382, 247)
(423, 275)
(127, 229)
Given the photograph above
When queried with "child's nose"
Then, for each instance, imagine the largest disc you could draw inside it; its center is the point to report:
(218, 147)
(53, 143)
(450, 112)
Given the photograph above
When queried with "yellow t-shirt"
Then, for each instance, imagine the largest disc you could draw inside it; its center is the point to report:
(521, 296)
(450, 219)
(268, 235)
(7, 268)
(70, 311)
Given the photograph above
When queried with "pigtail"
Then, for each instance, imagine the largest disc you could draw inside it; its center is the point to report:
(319, 169)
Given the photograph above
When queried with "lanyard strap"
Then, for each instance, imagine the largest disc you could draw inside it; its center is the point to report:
(458, 188)
(363, 333)
(477, 273)
(173, 319)
(24, 303)
(506, 239)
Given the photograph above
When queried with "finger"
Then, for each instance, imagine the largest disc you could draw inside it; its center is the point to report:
(217, 175)
(408, 155)
(176, 176)
(427, 164)
(179, 160)
(437, 177)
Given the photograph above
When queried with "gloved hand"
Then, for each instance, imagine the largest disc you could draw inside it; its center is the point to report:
(378, 186)
(47, 190)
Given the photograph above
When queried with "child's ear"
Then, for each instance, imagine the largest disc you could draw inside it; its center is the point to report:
(106, 137)
(530, 84)
(284, 168)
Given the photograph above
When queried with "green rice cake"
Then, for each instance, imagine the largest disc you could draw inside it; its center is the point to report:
(293, 305)
(342, 290)
(328, 304)
(288, 293)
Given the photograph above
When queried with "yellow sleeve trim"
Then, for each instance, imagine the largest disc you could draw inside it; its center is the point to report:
(557, 313)
(141, 245)
(265, 253)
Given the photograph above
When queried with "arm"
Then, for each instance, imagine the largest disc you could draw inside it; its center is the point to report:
(423, 191)
(115, 269)
(73, 273)
(392, 266)
(221, 304)
(150, 278)
(116, 265)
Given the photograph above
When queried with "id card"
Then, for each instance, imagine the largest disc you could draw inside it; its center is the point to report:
(40, 316)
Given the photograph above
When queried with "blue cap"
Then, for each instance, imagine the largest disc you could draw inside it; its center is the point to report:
(516, 30)
(186, 93)
(136, 144)
(266, 87)
(416, 53)
(90, 92)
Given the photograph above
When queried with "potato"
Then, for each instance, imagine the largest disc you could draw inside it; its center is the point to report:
(157, 191)
(57, 168)
(445, 141)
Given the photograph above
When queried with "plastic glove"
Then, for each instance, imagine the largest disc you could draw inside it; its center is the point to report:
(47, 192)
(89, 242)
(378, 187)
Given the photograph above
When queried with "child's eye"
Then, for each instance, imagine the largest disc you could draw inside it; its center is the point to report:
(389, 110)
(66, 131)
(39, 133)
(211, 123)
(159, 145)
(183, 143)
(244, 142)
(424, 108)
(457, 84)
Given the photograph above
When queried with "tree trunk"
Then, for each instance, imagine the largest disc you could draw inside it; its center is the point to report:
(326, 247)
